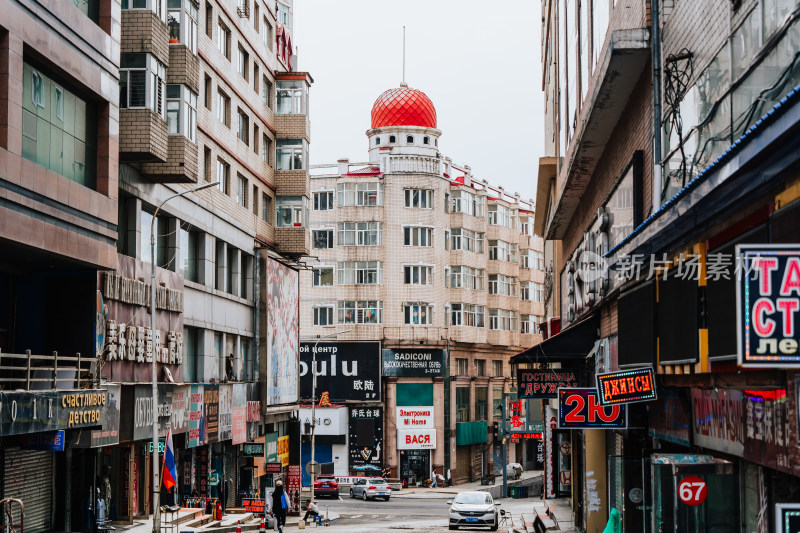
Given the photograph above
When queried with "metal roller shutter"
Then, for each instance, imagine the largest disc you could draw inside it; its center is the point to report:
(28, 475)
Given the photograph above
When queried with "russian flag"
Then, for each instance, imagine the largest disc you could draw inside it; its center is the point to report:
(170, 476)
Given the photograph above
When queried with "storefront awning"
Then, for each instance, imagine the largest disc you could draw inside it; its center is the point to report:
(471, 433)
(572, 344)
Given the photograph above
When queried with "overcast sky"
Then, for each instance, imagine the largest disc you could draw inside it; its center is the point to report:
(478, 61)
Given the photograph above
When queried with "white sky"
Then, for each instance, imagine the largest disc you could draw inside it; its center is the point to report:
(478, 61)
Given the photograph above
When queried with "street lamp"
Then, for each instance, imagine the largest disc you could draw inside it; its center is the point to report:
(504, 434)
(156, 486)
(314, 403)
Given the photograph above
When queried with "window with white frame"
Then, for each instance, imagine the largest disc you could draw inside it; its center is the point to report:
(497, 369)
(266, 92)
(243, 63)
(322, 276)
(224, 108)
(223, 174)
(537, 292)
(266, 33)
(524, 290)
(243, 131)
(464, 277)
(182, 23)
(224, 40)
(359, 233)
(265, 207)
(291, 211)
(322, 239)
(283, 14)
(323, 316)
(360, 312)
(323, 201)
(419, 198)
(502, 285)
(360, 194)
(417, 236)
(182, 112)
(159, 7)
(359, 272)
(417, 274)
(266, 148)
(291, 154)
(241, 190)
(503, 251)
(502, 319)
(292, 97)
(466, 240)
(529, 324)
(418, 314)
(467, 315)
(500, 215)
(526, 225)
(467, 203)
(142, 82)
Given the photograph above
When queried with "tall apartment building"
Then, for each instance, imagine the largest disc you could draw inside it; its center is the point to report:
(413, 256)
(671, 142)
(58, 215)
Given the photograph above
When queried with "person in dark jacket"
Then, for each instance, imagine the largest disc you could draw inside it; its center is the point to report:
(278, 509)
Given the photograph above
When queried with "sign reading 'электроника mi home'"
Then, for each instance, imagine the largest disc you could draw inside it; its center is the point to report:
(768, 304)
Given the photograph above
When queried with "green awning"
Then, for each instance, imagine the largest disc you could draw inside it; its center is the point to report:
(471, 433)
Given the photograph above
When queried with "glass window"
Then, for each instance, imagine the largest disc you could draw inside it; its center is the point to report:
(181, 112)
(244, 63)
(223, 170)
(142, 82)
(502, 285)
(292, 96)
(223, 108)
(359, 272)
(284, 16)
(462, 403)
(461, 366)
(481, 394)
(190, 354)
(464, 277)
(160, 230)
(322, 276)
(224, 40)
(467, 315)
(418, 275)
(266, 148)
(266, 92)
(600, 17)
(323, 201)
(266, 33)
(360, 194)
(323, 316)
(243, 132)
(265, 207)
(360, 233)
(290, 210)
(419, 198)
(190, 254)
(322, 238)
(467, 203)
(502, 319)
(417, 236)
(291, 154)
(417, 314)
(503, 251)
(500, 215)
(410, 139)
(620, 210)
(241, 190)
(497, 368)
(360, 312)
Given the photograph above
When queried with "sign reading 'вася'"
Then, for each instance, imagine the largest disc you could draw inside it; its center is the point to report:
(768, 304)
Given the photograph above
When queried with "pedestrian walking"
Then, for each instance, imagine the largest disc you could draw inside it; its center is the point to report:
(433, 479)
(280, 504)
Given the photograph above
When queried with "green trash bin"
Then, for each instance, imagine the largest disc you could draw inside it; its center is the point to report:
(513, 491)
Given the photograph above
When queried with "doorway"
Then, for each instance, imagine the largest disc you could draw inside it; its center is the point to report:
(415, 466)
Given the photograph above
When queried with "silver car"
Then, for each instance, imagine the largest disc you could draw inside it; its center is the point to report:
(473, 508)
(371, 488)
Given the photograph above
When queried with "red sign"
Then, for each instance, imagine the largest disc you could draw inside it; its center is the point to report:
(253, 506)
(293, 488)
(254, 411)
(565, 477)
(273, 468)
(580, 409)
(515, 405)
(627, 386)
(515, 437)
(692, 490)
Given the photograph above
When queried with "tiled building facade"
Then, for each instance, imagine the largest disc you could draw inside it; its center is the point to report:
(410, 250)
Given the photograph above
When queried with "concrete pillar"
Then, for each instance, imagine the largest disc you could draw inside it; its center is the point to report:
(595, 496)
(205, 267)
(390, 434)
(437, 458)
(235, 268)
(221, 259)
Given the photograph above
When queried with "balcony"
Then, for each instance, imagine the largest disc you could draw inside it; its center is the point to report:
(46, 372)
(145, 136)
(412, 164)
(293, 241)
(292, 127)
(620, 68)
(184, 67)
(143, 31)
(180, 166)
(292, 183)
(415, 334)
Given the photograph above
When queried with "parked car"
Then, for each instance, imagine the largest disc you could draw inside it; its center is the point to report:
(326, 485)
(473, 508)
(514, 470)
(371, 488)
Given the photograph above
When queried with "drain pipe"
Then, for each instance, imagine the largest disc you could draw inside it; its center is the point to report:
(655, 36)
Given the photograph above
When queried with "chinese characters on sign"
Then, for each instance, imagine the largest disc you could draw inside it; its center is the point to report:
(515, 409)
(768, 301)
(366, 437)
(347, 371)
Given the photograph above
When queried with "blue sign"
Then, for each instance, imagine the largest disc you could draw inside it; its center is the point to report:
(580, 408)
(50, 440)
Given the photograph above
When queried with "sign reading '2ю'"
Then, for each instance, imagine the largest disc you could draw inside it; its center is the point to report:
(580, 408)
(768, 305)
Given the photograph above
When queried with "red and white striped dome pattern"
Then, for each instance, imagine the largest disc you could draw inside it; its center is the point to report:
(403, 106)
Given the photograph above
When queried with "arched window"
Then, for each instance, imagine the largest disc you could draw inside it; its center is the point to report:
(377, 141)
(410, 139)
(425, 140)
(392, 139)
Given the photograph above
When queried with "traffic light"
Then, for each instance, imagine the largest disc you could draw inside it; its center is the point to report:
(495, 431)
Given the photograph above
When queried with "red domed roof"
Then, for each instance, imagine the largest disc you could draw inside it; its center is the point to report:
(403, 107)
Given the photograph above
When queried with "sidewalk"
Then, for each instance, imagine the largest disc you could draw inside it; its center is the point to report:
(440, 492)
(249, 523)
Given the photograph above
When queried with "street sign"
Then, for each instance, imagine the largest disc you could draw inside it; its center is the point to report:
(692, 490)
(273, 468)
(313, 468)
(253, 506)
(253, 449)
(580, 409)
(627, 386)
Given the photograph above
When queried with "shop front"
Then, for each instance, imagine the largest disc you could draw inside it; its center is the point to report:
(416, 437)
(330, 436)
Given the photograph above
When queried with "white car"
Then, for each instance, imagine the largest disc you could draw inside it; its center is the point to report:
(371, 488)
(473, 508)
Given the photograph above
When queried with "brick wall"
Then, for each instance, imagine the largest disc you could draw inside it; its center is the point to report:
(184, 67)
(292, 127)
(181, 163)
(144, 135)
(143, 31)
(292, 183)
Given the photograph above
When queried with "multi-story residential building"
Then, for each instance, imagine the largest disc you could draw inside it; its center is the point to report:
(708, 87)
(59, 66)
(443, 270)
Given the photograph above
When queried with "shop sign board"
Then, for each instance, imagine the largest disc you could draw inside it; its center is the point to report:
(718, 420)
(416, 439)
(329, 420)
(544, 383)
(252, 505)
(273, 468)
(551, 423)
(692, 490)
(211, 413)
(225, 412)
(239, 414)
(253, 449)
(50, 441)
(670, 417)
(627, 386)
(283, 450)
(293, 486)
(414, 417)
(347, 371)
(416, 363)
(271, 441)
(366, 437)
(143, 411)
(768, 305)
(195, 417)
(580, 408)
(109, 434)
(33, 412)
(787, 517)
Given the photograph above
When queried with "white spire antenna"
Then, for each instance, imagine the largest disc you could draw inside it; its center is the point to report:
(403, 83)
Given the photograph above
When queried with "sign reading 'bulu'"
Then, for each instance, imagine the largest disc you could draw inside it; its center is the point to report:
(768, 304)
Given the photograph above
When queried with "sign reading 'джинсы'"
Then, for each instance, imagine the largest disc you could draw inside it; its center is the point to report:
(626, 386)
(768, 304)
